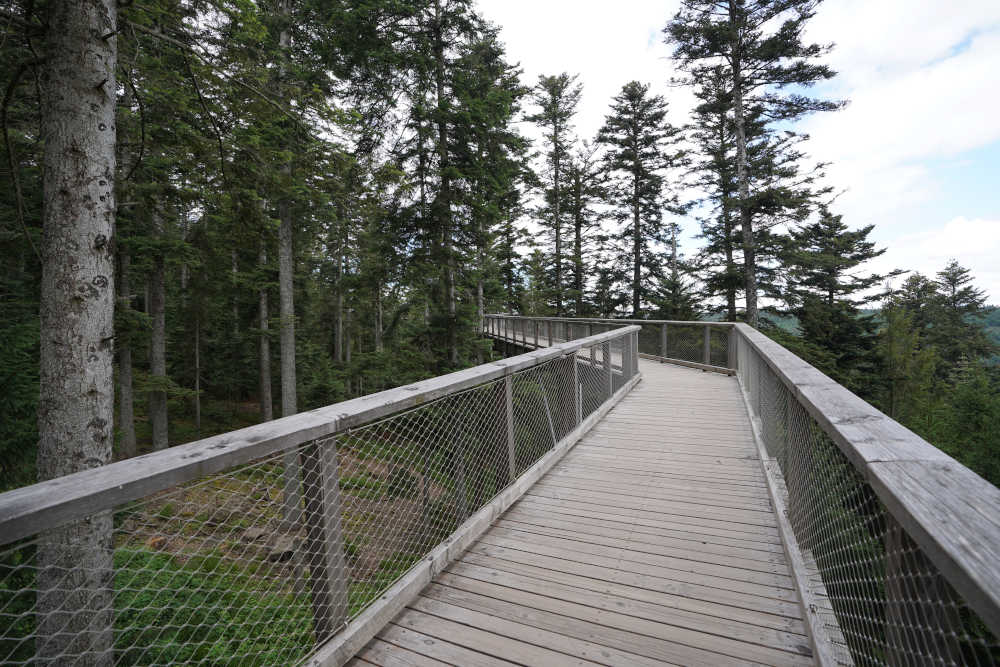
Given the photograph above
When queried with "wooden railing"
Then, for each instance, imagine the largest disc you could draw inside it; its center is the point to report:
(394, 485)
(698, 344)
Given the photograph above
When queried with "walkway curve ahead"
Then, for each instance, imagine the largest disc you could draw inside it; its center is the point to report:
(652, 542)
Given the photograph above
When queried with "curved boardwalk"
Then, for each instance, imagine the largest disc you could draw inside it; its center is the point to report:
(652, 542)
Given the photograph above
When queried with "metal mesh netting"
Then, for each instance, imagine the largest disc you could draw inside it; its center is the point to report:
(881, 599)
(228, 570)
(686, 342)
(682, 341)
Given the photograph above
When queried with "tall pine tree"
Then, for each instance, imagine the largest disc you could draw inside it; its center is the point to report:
(759, 43)
(641, 147)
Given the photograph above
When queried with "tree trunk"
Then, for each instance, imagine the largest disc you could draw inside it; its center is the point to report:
(742, 175)
(158, 341)
(286, 306)
(126, 397)
(264, 344)
(348, 342)
(578, 243)
(727, 227)
(636, 250)
(727, 223)
(234, 274)
(378, 316)
(556, 215)
(289, 399)
(480, 313)
(76, 398)
(197, 374)
(338, 310)
(444, 196)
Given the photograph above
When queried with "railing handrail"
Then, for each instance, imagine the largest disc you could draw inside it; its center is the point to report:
(606, 320)
(49, 504)
(922, 487)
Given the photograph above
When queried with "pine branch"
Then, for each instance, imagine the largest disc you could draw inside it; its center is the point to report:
(217, 71)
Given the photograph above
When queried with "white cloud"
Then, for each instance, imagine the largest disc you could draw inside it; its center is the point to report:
(974, 243)
(936, 110)
(608, 44)
(876, 40)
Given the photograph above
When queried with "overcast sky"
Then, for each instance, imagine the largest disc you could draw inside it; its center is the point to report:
(917, 151)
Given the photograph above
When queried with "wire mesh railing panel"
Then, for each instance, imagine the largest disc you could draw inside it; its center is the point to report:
(720, 346)
(882, 601)
(258, 565)
(650, 339)
(685, 343)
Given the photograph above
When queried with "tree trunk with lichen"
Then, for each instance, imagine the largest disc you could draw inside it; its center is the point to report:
(286, 308)
(76, 401)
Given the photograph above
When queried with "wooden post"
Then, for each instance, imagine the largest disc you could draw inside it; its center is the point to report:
(548, 330)
(508, 390)
(731, 348)
(590, 329)
(663, 341)
(577, 397)
(626, 357)
(707, 354)
(324, 542)
(608, 373)
(635, 354)
(536, 333)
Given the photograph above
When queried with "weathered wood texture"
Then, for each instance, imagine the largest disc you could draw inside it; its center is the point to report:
(652, 542)
(950, 512)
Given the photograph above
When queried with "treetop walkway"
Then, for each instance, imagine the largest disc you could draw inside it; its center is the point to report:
(617, 492)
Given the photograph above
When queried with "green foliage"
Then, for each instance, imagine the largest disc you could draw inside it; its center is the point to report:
(640, 147)
(209, 609)
(19, 398)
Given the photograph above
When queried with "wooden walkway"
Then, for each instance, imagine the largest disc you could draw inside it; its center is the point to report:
(652, 542)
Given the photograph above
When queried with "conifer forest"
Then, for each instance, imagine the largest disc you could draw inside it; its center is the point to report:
(289, 203)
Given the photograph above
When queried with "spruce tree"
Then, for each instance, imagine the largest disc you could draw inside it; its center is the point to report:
(759, 43)
(825, 291)
(714, 168)
(557, 98)
(675, 296)
(584, 192)
(958, 331)
(641, 146)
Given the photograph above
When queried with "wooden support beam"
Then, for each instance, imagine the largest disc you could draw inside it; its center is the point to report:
(707, 348)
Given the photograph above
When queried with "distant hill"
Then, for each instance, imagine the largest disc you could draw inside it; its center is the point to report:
(991, 324)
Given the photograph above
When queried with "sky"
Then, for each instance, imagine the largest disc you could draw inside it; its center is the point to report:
(916, 152)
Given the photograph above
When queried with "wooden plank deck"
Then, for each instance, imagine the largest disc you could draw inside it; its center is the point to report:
(652, 542)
